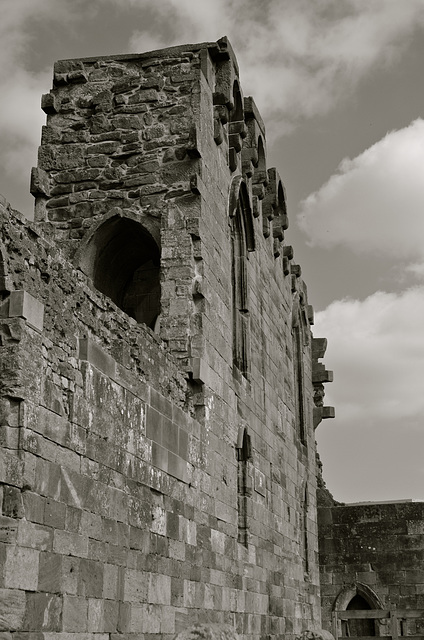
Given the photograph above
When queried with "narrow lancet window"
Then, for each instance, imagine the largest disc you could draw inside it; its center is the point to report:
(244, 454)
(298, 373)
(242, 241)
(240, 295)
(305, 531)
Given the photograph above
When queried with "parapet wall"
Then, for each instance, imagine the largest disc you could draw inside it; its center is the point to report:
(160, 384)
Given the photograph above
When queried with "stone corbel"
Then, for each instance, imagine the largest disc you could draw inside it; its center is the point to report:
(320, 376)
(322, 413)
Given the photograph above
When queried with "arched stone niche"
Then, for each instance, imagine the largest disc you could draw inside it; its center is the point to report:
(237, 128)
(274, 209)
(122, 258)
(254, 153)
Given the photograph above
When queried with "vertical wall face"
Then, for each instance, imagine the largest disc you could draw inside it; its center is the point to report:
(159, 368)
(376, 552)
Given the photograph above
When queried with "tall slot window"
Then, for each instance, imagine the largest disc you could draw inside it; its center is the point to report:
(298, 382)
(305, 541)
(244, 454)
(240, 295)
(298, 340)
(242, 241)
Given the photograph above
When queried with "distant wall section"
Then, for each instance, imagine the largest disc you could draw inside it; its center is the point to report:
(374, 552)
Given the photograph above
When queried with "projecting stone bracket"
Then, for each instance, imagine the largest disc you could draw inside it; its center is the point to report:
(23, 305)
(200, 371)
(322, 413)
(40, 185)
(320, 375)
(49, 103)
(319, 346)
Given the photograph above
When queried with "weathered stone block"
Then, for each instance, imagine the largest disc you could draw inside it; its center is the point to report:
(136, 586)
(43, 612)
(54, 514)
(110, 616)
(70, 574)
(96, 622)
(35, 536)
(8, 530)
(75, 614)
(21, 568)
(90, 583)
(12, 502)
(110, 581)
(70, 544)
(50, 573)
(11, 469)
(12, 609)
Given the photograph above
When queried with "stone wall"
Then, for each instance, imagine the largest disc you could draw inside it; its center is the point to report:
(159, 381)
(375, 551)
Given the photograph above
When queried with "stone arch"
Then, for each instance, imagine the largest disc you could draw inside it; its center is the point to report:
(122, 258)
(358, 596)
(237, 111)
(260, 168)
(357, 589)
(280, 222)
(237, 128)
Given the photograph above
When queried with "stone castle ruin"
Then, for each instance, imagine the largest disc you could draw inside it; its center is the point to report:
(159, 383)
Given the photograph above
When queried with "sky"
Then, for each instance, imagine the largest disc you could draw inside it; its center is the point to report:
(339, 86)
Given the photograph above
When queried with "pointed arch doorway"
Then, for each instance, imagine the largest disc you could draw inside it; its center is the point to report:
(356, 597)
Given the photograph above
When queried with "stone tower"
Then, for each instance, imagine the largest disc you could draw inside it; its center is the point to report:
(160, 384)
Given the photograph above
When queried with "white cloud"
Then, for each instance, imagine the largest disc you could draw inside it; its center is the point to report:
(376, 349)
(374, 202)
(20, 86)
(297, 58)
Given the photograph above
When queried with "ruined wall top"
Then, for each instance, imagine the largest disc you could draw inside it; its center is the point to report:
(161, 383)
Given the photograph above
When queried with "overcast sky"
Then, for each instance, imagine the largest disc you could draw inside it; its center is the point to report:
(339, 84)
